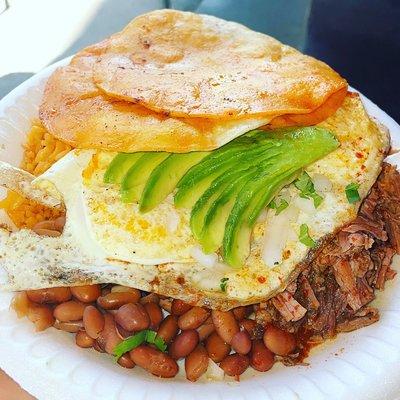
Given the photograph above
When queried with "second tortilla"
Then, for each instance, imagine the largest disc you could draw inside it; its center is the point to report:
(192, 65)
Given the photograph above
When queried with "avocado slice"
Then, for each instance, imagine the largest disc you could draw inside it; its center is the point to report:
(215, 219)
(165, 176)
(219, 185)
(236, 237)
(135, 179)
(300, 147)
(205, 201)
(200, 177)
(119, 166)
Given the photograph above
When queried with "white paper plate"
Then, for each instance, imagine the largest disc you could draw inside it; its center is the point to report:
(361, 365)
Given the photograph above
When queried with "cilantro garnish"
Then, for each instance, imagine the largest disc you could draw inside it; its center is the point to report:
(305, 237)
(307, 190)
(224, 282)
(136, 340)
(352, 193)
(278, 207)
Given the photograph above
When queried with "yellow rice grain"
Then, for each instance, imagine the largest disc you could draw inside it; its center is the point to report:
(41, 150)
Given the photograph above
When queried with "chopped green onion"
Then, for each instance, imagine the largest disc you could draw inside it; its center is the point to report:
(278, 207)
(352, 193)
(224, 282)
(307, 190)
(160, 344)
(150, 336)
(136, 340)
(129, 344)
(305, 237)
(317, 199)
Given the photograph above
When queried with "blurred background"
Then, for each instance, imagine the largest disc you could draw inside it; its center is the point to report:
(358, 38)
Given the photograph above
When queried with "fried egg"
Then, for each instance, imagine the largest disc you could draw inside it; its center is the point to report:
(108, 241)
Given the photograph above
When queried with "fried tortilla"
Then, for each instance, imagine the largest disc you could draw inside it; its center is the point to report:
(75, 111)
(190, 65)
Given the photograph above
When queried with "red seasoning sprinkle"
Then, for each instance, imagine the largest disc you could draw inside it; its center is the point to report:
(359, 155)
(261, 279)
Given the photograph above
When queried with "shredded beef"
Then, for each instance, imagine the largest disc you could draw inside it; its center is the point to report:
(288, 306)
(333, 292)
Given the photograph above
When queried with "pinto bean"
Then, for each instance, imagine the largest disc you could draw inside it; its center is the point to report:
(126, 361)
(93, 321)
(168, 328)
(196, 363)
(86, 293)
(150, 298)
(261, 358)
(241, 342)
(41, 316)
(82, 339)
(124, 289)
(217, 349)
(105, 290)
(133, 317)
(50, 295)
(70, 311)
(155, 314)
(248, 325)
(225, 324)
(109, 335)
(183, 344)
(234, 364)
(166, 304)
(98, 347)
(179, 307)
(240, 313)
(115, 300)
(193, 318)
(123, 333)
(206, 329)
(154, 361)
(278, 341)
(71, 327)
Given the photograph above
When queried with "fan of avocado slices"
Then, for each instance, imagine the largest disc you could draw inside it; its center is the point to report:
(227, 188)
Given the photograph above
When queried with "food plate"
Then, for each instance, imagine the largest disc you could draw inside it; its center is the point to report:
(357, 365)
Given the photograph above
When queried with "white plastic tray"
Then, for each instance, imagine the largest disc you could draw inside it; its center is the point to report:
(361, 365)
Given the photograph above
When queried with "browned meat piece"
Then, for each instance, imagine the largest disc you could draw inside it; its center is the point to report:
(288, 306)
(386, 258)
(308, 293)
(365, 317)
(374, 228)
(347, 282)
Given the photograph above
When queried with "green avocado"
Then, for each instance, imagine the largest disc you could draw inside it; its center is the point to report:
(165, 177)
(119, 166)
(135, 179)
(200, 177)
(236, 237)
(215, 219)
(300, 147)
(205, 201)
